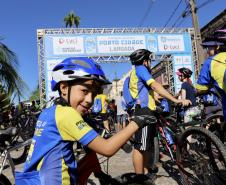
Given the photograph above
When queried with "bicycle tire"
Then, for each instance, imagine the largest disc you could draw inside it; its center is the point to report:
(19, 156)
(202, 171)
(154, 157)
(4, 180)
(212, 125)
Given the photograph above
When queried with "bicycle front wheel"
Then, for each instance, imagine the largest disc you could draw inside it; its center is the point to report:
(201, 157)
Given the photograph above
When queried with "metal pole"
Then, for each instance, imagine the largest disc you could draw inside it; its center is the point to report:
(197, 35)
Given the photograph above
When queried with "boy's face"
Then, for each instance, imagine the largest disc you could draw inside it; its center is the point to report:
(82, 95)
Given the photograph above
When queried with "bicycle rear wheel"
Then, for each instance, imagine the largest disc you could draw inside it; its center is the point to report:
(19, 155)
(201, 157)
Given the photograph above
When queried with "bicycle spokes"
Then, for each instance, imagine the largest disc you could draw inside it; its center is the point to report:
(201, 161)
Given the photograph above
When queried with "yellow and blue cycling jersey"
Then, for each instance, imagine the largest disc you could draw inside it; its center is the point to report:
(104, 100)
(51, 151)
(140, 81)
(213, 72)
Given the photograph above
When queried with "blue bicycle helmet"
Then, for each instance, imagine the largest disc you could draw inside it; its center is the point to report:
(77, 68)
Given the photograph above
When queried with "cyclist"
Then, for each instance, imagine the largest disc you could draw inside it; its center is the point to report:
(112, 110)
(103, 110)
(142, 87)
(188, 92)
(213, 71)
(51, 159)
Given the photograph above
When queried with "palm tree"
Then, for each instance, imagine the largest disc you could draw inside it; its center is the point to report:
(35, 95)
(4, 100)
(10, 80)
(71, 20)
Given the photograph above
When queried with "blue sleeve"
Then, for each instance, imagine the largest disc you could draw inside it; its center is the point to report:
(143, 73)
(205, 76)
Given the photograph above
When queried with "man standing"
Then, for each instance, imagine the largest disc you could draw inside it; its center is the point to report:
(103, 110)
(121, 113)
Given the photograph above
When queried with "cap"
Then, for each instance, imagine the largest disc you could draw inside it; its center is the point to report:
(212, 43)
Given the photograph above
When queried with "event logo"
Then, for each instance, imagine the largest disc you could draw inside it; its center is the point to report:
(90, 45)
(68, 41)
(68, 45)
(171, 43)
(152, 43)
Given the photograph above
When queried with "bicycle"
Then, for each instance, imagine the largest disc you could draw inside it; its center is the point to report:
(215, 123)
(25, 125)
(212, 120)
(201, 157)
(5, 152)
(179, 145)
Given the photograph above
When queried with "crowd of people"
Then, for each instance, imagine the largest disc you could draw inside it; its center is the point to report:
(79, 81)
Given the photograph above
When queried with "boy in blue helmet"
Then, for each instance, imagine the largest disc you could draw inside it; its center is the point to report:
(142, 87)
(51, 159)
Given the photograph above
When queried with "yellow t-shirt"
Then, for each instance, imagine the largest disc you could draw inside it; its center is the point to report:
(104, 100)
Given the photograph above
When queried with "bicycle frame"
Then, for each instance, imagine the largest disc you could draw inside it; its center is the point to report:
(160, 125)
(88, 164)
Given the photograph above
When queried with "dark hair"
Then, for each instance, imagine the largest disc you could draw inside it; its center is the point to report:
(138, 56)
(186, 72)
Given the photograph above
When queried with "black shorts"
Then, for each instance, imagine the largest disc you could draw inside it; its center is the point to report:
(104, 116)
(144, 138)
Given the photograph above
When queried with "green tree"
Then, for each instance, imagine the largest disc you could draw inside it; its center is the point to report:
(71, 20)
(35, 95)
(10, 80)
(4, 100)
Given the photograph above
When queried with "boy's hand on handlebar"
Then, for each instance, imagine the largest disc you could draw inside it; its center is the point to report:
(144, 117)
(184, 103)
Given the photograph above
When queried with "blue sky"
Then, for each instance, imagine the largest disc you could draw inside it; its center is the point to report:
(19, 21)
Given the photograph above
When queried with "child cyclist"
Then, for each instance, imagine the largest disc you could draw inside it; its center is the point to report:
(188, 92)
(51, 159)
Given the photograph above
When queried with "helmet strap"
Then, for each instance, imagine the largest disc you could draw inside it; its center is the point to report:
(69, 95)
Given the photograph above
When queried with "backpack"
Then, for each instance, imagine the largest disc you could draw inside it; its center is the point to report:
(210, 99)
(97, 106)
(129, 100)
(165, 105)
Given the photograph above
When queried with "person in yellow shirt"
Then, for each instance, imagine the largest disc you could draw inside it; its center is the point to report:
(102, 111)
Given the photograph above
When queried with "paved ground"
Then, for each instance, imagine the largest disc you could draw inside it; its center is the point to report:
(121, 163)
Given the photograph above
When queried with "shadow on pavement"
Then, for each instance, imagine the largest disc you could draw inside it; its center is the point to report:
(174, 173)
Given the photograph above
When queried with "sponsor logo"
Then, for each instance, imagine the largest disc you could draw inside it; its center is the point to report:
(81, 124)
